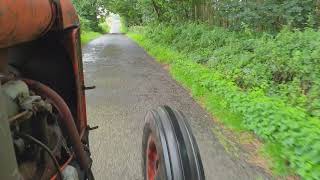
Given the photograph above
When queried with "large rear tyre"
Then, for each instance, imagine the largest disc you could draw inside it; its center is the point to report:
(169, 149)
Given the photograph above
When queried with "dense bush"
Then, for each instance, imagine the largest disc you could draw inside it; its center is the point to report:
(297, 133)
(89, 11)
(85, 24)
(284, 66)
(269, 15)
(89, 26)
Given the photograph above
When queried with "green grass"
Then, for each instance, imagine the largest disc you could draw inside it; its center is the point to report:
(217, 107)
(104, 27)
(275, 160)
(87, 36)
(291, 135)
(124, 27)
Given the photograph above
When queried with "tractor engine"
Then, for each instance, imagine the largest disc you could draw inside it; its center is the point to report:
(38, 140)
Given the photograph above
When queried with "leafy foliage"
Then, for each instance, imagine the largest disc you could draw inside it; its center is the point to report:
(280, 63)
(285, 66)
(91, 26)
(265, 15)
(88, 11)
(87, 34)
(127, 9)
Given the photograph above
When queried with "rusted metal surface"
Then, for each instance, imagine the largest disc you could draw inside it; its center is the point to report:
(69, 14)
(73, 46)
(24, 20)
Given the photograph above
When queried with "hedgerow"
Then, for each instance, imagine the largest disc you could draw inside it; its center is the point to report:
(263, 108)
(285, 66)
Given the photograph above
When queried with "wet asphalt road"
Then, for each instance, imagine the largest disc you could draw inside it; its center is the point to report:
(129, 83)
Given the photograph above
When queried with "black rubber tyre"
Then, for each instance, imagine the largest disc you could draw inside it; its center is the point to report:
(169, 149)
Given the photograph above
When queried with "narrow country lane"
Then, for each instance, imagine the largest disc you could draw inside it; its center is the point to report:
(129, 83)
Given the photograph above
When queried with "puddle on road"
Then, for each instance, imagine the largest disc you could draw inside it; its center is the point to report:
(100, 53)
(91, 53)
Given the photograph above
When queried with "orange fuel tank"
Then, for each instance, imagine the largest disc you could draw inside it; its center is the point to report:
(24, 20)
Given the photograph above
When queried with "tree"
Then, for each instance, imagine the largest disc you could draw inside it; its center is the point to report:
(88, 12)
(261, 15)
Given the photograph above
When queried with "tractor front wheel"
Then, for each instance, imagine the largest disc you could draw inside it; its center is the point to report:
(169, 149)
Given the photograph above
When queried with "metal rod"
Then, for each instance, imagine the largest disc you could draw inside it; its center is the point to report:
(46, 148)
(18, 116)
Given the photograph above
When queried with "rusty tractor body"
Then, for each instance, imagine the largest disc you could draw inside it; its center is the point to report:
(42, 92)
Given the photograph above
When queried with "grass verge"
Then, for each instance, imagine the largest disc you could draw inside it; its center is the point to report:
(104, 27)
(291, 135)
(87, 35)
(124, 26)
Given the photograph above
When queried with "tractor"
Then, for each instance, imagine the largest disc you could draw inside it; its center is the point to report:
(44, 132)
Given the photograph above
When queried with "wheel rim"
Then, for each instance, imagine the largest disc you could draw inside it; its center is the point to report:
(152, 159)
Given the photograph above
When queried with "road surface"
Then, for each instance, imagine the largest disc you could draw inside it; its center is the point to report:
(129, 83)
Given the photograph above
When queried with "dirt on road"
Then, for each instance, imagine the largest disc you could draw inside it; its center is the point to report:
(129, 83)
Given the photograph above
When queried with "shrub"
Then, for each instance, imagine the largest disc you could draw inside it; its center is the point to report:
(285, 65)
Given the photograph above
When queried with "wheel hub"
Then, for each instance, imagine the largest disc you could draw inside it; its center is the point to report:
(152, 159)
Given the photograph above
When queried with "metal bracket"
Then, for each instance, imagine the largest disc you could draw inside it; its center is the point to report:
(89, 87)
(92, 128)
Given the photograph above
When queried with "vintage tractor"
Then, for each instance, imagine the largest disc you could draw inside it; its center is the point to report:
(43, 125)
